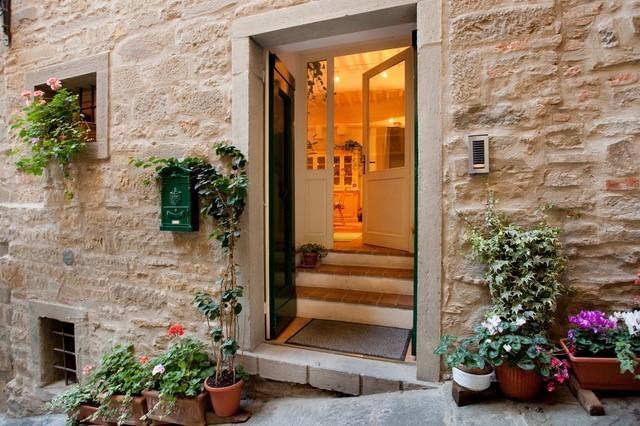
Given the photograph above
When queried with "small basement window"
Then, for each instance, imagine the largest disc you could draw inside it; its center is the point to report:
(59, 352)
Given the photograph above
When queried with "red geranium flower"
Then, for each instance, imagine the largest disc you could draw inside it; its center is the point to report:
(143, 359)
(175, 330)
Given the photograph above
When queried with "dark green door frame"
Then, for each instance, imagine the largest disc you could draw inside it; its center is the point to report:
(282, 288)
(414, 45)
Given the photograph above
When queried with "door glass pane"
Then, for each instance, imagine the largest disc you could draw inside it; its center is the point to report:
(336, 170)
(387, 119)
(348, 170)
(317, 112)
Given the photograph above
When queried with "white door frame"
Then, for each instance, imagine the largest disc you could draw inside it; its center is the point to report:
(250, 35)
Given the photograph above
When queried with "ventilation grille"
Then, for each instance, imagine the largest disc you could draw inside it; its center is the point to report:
(478, 154)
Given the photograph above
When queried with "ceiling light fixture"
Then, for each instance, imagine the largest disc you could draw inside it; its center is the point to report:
(336, 79)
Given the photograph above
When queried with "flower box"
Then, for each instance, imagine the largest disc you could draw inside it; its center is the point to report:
(137, 408)
(185, 411)
(600, 373)
(83, 412)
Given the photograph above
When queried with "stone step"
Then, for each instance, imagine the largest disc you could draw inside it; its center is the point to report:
(369, 260)
(392, 310)
(336, 372)
(357, 278)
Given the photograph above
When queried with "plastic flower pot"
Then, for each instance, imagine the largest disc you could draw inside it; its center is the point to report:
(471, 380)
(225, 400)
(136, 408)
(516, 383)
(309, 260)
(186, 411)
(599, 373)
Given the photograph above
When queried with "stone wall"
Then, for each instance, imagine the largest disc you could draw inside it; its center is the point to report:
(556, 86)
(554, 83)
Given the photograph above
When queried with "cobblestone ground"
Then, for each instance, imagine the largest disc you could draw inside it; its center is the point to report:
(427, 407)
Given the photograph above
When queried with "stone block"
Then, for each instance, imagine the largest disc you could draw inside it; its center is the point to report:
(282, 371)
(334, 380)
(623, 184)
(372, 385)
(5, 295)
(249, 362)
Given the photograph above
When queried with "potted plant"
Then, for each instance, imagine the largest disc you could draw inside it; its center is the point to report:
(470, 370)
(119, 380)
(79, 403)
(523, 267)
(174, 386)
(604, 350)
(53, 130)
(311, 254)
(224, 191)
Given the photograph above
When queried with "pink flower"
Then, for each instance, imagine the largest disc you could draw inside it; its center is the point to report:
(143, 359)
(175, 330)
(54, 83)
(158, 369)
(26, 93)
(38, 93)
(551, 386)
(87, 369)
(35, 140)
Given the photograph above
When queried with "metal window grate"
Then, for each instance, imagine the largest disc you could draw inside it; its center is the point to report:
(478, 154)
(64, 348)
(5, 21)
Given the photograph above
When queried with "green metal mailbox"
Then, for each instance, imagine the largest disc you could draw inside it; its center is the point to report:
(179, 200)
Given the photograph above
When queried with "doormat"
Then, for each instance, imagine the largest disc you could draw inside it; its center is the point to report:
(346, 237)
(363, 339)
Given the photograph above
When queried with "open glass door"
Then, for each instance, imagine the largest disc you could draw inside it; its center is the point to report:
(388, 138)
(282, 289)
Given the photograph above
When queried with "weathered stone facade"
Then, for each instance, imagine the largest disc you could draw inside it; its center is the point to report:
(554, 83)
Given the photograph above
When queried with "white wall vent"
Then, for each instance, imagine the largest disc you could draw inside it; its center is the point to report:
(478, 154)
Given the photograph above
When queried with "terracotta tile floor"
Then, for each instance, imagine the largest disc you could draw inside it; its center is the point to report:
(367, 271)
(389, 300)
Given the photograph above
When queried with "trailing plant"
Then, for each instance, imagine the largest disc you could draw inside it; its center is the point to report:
(316, 79)
(224, 191)
(351, 145)
(52, 130)
(319, 249)
(523, 267)
(181, 370)
(119, 373)
(71, 400)
(195, 164)
(595, 334)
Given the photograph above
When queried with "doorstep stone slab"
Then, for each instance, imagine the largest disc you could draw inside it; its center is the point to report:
(249, 362)
(282, 371)
(321, 378)
(373, 385)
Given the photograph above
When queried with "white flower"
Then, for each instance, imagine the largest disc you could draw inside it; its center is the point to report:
(631, 320)
(492, 324)
(487, 341)
(520, 322)
(507, 348)
(158, 369)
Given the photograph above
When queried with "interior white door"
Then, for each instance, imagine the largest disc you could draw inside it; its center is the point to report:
(388, 127)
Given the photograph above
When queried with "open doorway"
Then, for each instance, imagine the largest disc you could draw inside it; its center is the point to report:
(353, 185)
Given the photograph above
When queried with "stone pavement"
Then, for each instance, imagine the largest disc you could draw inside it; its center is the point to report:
(421, 407)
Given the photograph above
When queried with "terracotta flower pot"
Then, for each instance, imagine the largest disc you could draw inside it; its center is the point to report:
(136, 409)
(186, 411)
(225, 400)
(309, 260)
(516, 383)
(600, 373)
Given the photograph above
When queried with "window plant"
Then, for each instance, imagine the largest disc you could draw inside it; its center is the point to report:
(52, 130)
(311, 253)
(175, 381)
(604, 350)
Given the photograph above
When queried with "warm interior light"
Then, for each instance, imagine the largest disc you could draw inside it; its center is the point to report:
(384, 74)
(391, 120)
(336, 79)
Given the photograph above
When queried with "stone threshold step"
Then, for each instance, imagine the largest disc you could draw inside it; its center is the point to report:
(365, 271)
(387, 300)
(379, 251)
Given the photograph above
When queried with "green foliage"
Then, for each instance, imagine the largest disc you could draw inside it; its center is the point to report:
(52, 131)
(71, 400)
(195, 164)
(185, 366)
(523, 267)
(314, 248)
(464, 352)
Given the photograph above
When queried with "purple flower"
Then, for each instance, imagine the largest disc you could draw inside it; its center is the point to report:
(571, 334)
(595, 321)
(35, 140)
